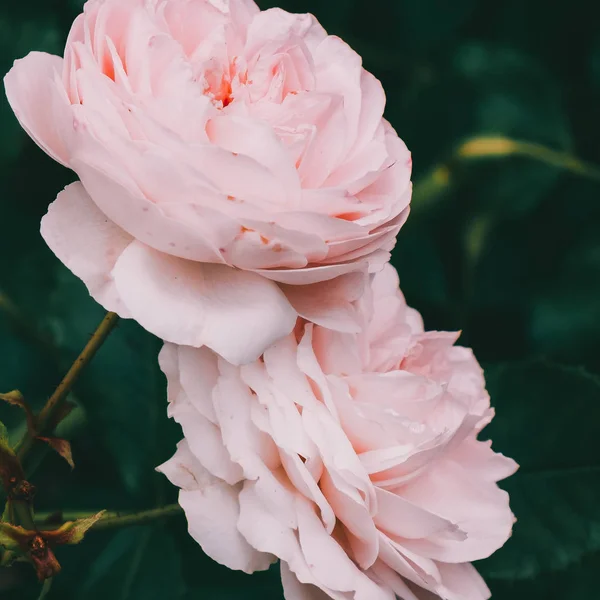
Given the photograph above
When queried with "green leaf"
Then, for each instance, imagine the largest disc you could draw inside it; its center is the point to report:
(10, 467)
(547, 420)
(61, 447)
(565, 313)
(73, 532)
(574, 583)
(13, 537)
(137, 563)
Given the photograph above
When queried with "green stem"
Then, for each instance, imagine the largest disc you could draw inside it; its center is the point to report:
(48, 413)
(428, 189)
(24, 515)
(499, 146)
(115, 519)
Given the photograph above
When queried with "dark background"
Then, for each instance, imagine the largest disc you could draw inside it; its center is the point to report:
(505, 248)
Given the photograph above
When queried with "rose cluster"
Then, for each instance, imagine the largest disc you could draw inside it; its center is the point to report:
(239, 195)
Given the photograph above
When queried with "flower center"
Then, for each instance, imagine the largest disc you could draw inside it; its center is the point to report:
(221, 82)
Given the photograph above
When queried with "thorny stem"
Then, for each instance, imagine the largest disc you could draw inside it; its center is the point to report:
(116, 520)
(55, 401)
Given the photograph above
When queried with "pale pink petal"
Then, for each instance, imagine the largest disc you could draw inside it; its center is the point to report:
(339, 71)
(168, 360)
(212, 510)
(463, 582)
(355, 247)
(329, 563)
(483, 461)
(184, 470)
(329, 304)
(309, 275)
(233, 404)
(273, 29)
(336, 353)
(35, 98)
(487, 528)
(212, 514)
(235, 313)
(394, 581)
(263, 530)
(422, 571)
(257, 140)
(281, 367)
(398, 517)
(87, 242)
(198, 373)
(301, 478)
(294, 590)
(144, 219)
(205, 442)
(354, 514)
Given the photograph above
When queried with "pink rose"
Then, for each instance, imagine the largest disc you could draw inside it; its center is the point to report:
(235, 168)
(353, 458)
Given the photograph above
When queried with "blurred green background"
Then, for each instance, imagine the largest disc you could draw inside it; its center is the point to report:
(504, 247)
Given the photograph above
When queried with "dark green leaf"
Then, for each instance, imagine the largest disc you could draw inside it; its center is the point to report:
(547, 420)
(574, 583)
(139, 563)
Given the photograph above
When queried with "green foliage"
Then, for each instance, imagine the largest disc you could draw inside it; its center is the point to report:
(555, 492)
(507, 252)
(142, 562)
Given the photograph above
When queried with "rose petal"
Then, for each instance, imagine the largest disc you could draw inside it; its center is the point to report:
(145, 220)
(235, 313)
(220, 538)
(329, 303)
(294, 590)
(205, 442)
(87, 242)
(212, 509)
(309, 275)
(463, 582)
(35, 98)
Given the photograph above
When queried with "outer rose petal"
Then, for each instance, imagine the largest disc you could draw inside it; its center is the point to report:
(220, 538)
(205, 442)
(212, 509)
(294, 590)
(329, 303)
(463, 582)
(87, 242)
(33, 95)
(235, 313)
(144, 219)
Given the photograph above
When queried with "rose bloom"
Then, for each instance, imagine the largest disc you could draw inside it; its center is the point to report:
(353, 458)
(235, 169)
